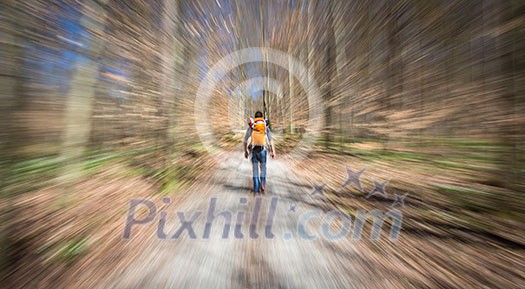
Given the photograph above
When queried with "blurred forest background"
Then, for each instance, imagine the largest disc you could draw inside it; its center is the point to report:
(97, 105)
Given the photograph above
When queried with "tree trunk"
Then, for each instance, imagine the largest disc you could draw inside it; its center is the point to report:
(171, 56)
(11, 100)
(80, 96)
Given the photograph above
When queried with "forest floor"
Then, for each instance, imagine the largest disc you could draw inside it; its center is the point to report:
(434, 249)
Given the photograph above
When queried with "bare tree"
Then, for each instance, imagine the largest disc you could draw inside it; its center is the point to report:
(81, 93)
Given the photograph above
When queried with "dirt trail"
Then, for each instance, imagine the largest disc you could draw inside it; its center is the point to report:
(280, 262)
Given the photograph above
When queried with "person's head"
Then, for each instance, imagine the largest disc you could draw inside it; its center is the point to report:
(258, 114)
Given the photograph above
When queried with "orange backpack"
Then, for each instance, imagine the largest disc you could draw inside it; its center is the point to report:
(258, 126)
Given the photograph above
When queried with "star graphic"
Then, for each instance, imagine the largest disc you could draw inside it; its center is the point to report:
(318, 190)
(353, 178)
(379, 188)
(292, 208)
(399, 200)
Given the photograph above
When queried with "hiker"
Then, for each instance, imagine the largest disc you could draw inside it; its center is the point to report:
(258, 131)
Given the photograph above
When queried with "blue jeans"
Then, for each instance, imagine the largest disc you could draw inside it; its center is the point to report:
(259, 158)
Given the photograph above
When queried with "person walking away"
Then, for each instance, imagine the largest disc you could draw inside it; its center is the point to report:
(258, 131)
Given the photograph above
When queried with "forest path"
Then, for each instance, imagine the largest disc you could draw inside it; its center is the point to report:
(285, 261)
